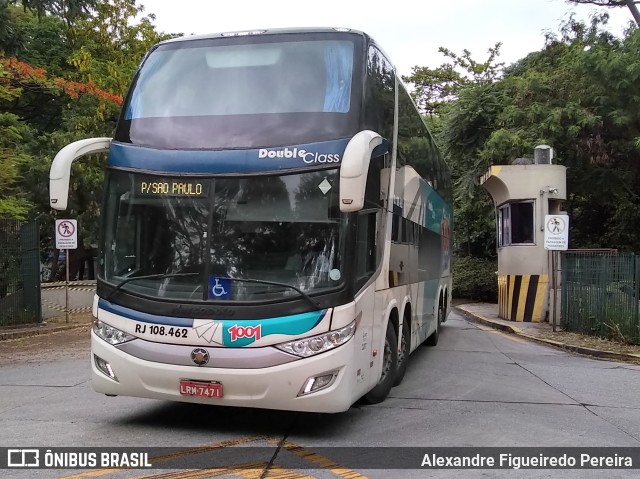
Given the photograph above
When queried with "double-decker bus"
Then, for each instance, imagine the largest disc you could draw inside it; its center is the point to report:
(275, 228)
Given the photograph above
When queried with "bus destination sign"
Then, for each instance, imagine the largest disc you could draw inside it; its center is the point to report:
(172, 187)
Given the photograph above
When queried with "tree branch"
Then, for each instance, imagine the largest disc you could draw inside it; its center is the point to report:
(632, 5)
(633, 8)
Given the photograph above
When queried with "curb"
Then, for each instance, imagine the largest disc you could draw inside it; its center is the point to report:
(37, 330)
(487, 322)
(598, 353)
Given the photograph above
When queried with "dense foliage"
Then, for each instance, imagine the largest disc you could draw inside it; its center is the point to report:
(580, 94)
(475, 278)
(64, 68)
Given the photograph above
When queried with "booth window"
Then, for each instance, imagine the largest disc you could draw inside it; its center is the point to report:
(515, 223)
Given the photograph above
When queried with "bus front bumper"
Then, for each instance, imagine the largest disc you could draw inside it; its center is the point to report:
(276, 387)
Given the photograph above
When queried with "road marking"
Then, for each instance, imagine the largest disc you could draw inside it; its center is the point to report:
(196, 474)
(323, 462)
(168, 457)
(275, 472)
(244, 471)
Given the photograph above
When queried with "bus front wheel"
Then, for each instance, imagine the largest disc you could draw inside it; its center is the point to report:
(389, 368)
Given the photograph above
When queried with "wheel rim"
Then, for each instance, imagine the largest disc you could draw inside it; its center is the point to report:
(386, 360)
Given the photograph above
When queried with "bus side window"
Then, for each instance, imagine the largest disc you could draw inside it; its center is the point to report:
(379, 105)
(368, 255)
(376, 188)
(366, 263)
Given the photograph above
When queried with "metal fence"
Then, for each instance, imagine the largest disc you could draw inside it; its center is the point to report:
(19, 273)
(600, 293)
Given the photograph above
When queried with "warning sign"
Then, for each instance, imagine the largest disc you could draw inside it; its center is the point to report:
(556, 232)
(66, 234)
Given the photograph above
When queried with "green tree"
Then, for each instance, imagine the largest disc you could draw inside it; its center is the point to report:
(65, 68)
(580, 94)
(632, 5)
(434, 88)
(13, 203)
(67, 10)
(112, 42)
(460, 102)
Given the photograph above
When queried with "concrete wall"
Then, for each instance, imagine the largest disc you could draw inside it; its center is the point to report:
(520, 182)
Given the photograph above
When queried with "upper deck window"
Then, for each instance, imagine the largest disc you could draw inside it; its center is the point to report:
(306, 76)
(245, 92)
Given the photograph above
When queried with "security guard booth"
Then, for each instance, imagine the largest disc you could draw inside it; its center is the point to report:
(523, 193)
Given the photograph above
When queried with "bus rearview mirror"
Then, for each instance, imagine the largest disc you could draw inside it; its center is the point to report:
(354, 169)
(60, 171)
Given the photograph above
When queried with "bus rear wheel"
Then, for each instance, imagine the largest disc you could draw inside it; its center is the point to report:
(389, 367)
(433, 339)
(403, 352)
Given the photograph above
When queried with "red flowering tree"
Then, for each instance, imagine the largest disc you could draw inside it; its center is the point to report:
(21, 75)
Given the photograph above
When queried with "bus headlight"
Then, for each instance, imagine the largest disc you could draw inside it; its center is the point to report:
(319, 344)
(109, 333)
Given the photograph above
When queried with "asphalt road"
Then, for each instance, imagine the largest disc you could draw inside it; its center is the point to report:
(478, 387)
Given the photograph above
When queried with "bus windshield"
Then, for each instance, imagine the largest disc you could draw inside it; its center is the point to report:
(191, 232)
(244, 79)
(186, 90)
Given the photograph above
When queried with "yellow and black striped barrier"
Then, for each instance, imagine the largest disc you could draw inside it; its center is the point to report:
(521, 296)
(73, 286)
(51, 300)
(58, 307)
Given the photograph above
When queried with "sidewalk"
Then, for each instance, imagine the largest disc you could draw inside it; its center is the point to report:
(487, 314)
(52, 326)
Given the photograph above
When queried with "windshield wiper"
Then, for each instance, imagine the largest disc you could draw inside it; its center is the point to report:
(241, 280)
(148, 276)
(275, 283)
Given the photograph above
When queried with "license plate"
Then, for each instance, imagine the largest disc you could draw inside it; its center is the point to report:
(200, 389)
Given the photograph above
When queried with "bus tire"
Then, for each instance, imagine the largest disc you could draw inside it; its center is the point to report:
(389, 366)
(403, 352)
(433, 339)
(444, 307)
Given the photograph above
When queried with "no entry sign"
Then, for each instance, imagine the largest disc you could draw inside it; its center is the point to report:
(66, 234)
(556, 232)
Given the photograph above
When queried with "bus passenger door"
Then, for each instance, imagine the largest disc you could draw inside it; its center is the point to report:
(366, 264)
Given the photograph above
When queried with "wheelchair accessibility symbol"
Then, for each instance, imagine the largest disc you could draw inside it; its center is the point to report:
(219, 288)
